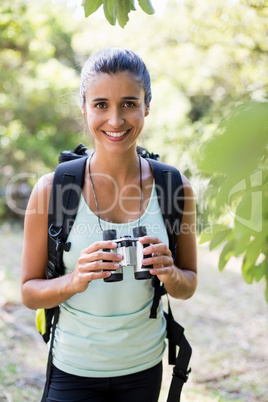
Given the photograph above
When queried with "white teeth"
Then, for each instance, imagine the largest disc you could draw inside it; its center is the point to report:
(119, 134)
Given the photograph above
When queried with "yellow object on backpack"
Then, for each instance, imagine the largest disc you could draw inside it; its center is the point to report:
(40, 320)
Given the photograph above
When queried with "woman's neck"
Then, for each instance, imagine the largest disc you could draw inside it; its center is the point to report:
(121, 167)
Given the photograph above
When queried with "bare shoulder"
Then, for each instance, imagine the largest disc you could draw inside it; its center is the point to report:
(39, 198)
(189, 200)
(188, 191)
(45, 183)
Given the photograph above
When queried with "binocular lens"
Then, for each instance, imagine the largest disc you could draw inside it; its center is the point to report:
(109, 234)
(117, 275)
(139, 231)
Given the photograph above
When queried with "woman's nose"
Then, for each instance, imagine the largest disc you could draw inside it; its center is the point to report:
(115, 118)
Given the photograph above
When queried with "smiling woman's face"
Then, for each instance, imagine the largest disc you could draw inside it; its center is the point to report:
(115, 110)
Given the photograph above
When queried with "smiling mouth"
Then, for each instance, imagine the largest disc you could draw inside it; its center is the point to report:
(116, 134)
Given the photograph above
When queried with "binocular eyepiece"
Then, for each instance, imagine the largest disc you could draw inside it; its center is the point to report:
(132, 252)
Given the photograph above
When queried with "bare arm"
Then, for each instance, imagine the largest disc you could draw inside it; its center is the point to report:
(183, 283)
(36, 290)
(180, 280)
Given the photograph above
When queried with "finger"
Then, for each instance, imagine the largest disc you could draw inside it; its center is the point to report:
(98, 275)
(100, 245)
(160, 248)
(98, 266)
(94, 275)
(149, 239)
(161, 271)
(101, 255)
(158, 260)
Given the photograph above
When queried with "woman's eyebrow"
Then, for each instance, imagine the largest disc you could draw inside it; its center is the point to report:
(131, 97)
(99, 100)
(124, 98)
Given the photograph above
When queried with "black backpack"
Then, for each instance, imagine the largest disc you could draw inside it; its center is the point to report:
(65, 193)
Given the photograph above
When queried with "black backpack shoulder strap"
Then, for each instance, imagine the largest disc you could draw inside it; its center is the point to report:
(65, 193)
(170, 193)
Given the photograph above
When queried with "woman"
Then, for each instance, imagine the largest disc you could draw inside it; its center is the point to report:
(106, 348)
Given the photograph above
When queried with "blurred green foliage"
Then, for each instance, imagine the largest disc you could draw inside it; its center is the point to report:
(37, 78)
(209, 67)
(238, 156)
(38, 83)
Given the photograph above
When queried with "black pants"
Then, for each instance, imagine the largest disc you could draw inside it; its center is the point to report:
(139, 387)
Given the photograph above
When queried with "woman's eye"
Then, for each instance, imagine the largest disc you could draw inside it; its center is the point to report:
(129, 104)
(101, 105)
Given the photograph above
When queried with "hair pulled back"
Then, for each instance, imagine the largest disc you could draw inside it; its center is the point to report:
(113, 61)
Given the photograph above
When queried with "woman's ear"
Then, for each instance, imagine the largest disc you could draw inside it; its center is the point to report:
(84, 111)
(147, 109)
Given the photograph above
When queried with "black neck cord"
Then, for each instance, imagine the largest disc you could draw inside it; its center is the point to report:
(95, 197)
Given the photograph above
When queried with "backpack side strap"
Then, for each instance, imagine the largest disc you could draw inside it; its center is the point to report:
(159, 291)
(176, 337)
(56, 311)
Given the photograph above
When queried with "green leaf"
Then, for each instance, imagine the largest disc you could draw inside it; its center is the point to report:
(241, 242)
(146, 6)
(249, 210)
(123, 9)
(132, 5)
(253, 250)
(259, 271)
(90, 6)
(247, 271)
(219, 238)
(111, 7)
(210, 231)
(110, 11)
(226, 254)
(205, 237)
(243, 139)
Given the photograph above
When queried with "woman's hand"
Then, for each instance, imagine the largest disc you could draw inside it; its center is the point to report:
(161, 259)
(179, 276)
(94, 263)
(180, 280)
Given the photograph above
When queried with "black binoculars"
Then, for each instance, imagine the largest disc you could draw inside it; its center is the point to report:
(132, 252)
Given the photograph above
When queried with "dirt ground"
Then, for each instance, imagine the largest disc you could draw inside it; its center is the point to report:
(225, 322)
